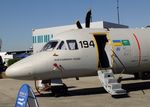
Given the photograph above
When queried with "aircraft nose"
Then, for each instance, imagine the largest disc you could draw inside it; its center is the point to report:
(19, 70)
(30, 68)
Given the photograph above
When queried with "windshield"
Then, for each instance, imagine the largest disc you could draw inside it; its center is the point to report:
(50, 45)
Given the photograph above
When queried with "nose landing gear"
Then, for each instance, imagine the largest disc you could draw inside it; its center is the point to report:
(56, 87)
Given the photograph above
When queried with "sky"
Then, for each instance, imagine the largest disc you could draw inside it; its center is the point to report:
(19, 17)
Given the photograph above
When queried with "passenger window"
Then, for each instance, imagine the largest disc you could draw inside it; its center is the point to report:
(62, 46)
(72, 44)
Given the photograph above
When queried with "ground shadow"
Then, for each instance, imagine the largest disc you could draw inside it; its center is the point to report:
(83, 92)
(136, 86)
(100, 90)
(87, 91)
(79, 92)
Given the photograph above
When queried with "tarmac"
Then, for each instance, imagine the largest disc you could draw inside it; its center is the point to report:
(86, 92)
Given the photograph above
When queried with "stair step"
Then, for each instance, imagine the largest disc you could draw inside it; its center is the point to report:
(115, 86)
(107, 74)
(111, 80)
(120, 91)
(106, 70)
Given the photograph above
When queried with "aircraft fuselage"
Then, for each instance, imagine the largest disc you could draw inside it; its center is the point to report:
(84, 52)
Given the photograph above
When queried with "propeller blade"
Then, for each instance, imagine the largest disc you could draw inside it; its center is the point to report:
(78, 24)
(87, 19)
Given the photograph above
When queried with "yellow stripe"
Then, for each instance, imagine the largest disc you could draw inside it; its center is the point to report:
(113, 47)
(97, 53)
(117, 44)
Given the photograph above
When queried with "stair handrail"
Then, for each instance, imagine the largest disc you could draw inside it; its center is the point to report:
(125, 69)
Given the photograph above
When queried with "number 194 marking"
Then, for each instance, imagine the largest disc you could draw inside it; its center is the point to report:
(87, 44)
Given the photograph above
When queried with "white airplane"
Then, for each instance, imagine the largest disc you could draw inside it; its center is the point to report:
(88, 52)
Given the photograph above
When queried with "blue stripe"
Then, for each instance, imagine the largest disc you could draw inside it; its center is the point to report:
(116, 41)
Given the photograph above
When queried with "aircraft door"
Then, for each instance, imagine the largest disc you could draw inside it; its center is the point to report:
(104, 59)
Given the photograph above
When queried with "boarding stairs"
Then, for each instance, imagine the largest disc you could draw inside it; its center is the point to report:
(110, 83)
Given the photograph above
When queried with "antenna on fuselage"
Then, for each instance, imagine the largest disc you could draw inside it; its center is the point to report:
(87, 21)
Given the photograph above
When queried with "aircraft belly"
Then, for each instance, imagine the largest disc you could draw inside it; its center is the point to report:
(72, 73)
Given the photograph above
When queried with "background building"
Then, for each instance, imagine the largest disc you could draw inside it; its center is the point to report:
(43, 35)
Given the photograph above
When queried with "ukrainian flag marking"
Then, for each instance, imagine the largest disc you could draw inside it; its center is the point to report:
(117, 42)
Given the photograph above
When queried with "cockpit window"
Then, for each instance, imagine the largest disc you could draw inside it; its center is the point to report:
(62, 46)
(50, 45)
(72, 44)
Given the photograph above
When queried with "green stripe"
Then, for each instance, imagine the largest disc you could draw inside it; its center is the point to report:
(126, 42)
